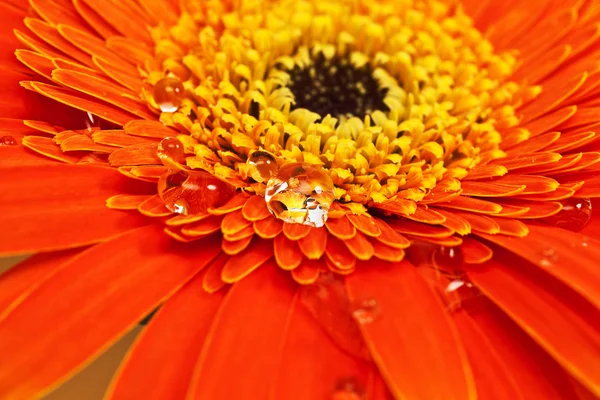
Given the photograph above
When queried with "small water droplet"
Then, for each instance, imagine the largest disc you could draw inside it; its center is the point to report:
(348, 389)
(8, 141)
(460, 294)
(193, 192)
(300, 194)
(575, 214)
(448, 258)
(171, 150)
(90, 122)
(366, 312)
(549, 257)
(168, 94)
(265, 165)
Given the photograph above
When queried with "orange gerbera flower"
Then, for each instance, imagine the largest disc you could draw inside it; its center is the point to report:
(342, 199)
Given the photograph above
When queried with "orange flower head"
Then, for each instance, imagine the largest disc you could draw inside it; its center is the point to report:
(335, 199)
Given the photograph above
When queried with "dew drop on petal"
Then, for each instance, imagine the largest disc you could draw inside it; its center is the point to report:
(366, 311)
(300, 194)
(548, 257)
(168, 94)
(265, 164)
(448, 258)
(348, 389)
(460, 293)
(574, 215)
(193, 192)
(8, 141)
(171, 149)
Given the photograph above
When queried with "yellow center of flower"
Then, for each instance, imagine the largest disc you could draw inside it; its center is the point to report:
(388, 97)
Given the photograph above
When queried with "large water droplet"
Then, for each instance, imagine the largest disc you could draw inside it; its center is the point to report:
(348, 389)
(8, 141)
(265, 164)
(300, 194)
(168, 94)
(171, 150)
(366, 311)
(448, 258)
(459, 294)
(575, 214)
(193, 192)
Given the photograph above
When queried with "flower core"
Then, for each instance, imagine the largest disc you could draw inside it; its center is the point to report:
(389, 99)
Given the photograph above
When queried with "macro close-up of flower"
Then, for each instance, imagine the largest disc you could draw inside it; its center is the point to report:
(302, 199)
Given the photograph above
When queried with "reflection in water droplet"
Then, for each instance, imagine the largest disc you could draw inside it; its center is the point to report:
(448, 258)
(549, 257)
(460, 294)
(265, 164)
(171, 150)
(168, 94)
(300, 194)
(575, 214)
(366, 312)
(193, 192)
(348, 389)
(8, 141)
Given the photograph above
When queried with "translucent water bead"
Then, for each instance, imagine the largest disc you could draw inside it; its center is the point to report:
(300, 194)
(168, 94)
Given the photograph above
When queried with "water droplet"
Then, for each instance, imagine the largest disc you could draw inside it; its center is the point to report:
(459, 294)
(549, 257)
(90, 122)
(366, 312)
(168, 94)
(575, 214)
(448, 258)
(171, 150)
(349, 389)
(300, 194)
(193, 192)
(8, 141)
(265, 164)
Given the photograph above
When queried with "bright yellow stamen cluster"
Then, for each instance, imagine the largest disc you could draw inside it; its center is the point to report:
(448, 93)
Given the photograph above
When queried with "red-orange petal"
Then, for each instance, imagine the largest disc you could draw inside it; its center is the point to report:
(246, 338)
(71, 308)
(166, 352)
(242, 265)
(68, 210)
(313, 245)
(409, 333)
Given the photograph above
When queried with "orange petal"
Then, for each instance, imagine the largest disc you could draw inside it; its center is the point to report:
(234, 222)
(418, 229)
(313, 245)
(320, 367)
(246, 338)
(511, 227)
(242, 265)
(287, 253)
(485, 171)
(485, 189)
(233, 247)
(256, 209)
(364, 224)
(168, 364)
(307, 272)
(409, 333)
(475, 252)
(568, 256)
(212, 281)
(360, 246)
(472, 204)
(22, 278)
(390, 237)
(80, 287)
(205, 226)
(117, 138)
(126, 201)
(493, 377)
(152, 129)
(341, 227)
(540, 209)
(139, 154)
(454, 222)
(550, 121)
(154, 207)
(480, 223)
(537, 375)
(71, 204)
(533, 184)
(268, 228)
(339, 255)
(560, 321)
(387, 253)
(295, 231)
(427, 216)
